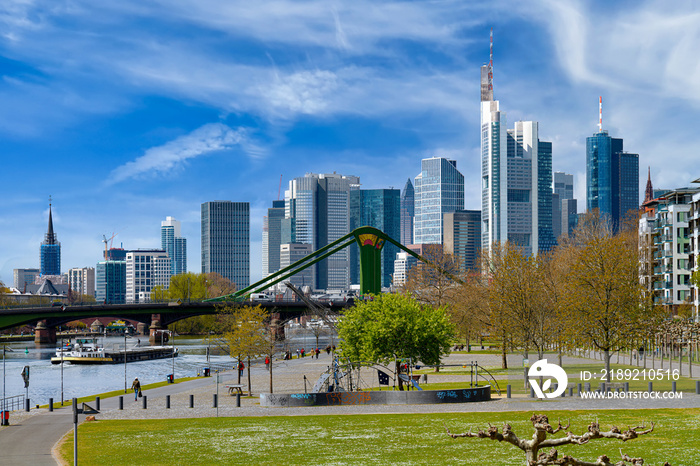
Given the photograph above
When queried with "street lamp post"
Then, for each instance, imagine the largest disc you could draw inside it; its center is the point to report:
(172, 336)
(63, 347)
(124, 360)
(4, 355)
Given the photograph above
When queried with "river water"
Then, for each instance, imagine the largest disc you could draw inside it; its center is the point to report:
(84, 380)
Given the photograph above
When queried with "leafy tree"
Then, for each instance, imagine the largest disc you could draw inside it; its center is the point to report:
(607, 306)
(219, 286)
(469, 307)
(395, 326)
(433, 284)
(243, 329)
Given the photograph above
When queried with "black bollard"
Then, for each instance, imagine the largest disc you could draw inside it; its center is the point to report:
(167, 402)
(673, 386)
(215, 402)
(121, 402)
(26, 408)
(651, 387)
(571, 391)
(50, 404)
(532, 392)
(97, 403)
(507, 391)
(145, 402)
(238, 400)
(191, 401)
(627, 387)
(697, 387)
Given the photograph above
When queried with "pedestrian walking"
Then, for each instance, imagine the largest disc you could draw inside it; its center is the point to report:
(136, 387)
(267, 362)
(241, 366)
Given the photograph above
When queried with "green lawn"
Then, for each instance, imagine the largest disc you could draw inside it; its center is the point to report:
(370, 439)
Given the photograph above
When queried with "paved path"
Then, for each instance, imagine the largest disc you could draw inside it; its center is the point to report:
(31, 436)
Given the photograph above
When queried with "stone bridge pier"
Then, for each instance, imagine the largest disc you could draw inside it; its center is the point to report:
(276, 326)
(154, 328)
(43, 334)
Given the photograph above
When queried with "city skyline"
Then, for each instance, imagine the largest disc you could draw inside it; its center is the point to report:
(125, 125)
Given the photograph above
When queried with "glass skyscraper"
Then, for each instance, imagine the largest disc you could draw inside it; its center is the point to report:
(110, 282)
(378, 208)
(463, 236)
(226, 240)
(439, 189)
(612, 178)
(317, 212)
(272, 238)
(407, 213)
(174, 245)
(50, 253)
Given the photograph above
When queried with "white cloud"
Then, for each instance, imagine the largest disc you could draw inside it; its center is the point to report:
(172, 155)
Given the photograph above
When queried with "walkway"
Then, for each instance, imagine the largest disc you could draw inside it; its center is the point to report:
(31, 436)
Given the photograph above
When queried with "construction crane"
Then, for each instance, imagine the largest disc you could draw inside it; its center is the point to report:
(279, 189)
(105, 240)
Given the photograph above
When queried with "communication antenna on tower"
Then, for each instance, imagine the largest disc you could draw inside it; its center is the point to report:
(491, 61)
(600, 114)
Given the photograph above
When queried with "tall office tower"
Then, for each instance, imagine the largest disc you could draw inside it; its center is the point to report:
(272, 238)
(463, 237)
(23, 277)
(82, 280)
(110, 282)
(226, 240)
(174, 244)
(50, 251)
(317, 212)
(407, 213)
(378, 208)
(146, 269)
(439, 189)
(556, 215)
(567, 207)
(289, 253)
(612, 177)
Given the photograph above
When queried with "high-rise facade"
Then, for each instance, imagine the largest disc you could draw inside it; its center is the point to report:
(50, 251)
(23, 277)
(407, 213)
(272, 238)
(612, 178)
(317, 212)
(439, 189)
(226, 240)
(463, 236)
(378, 208)
(566, 207)
(146, 269)
(291, 253)
(110, 282)
(174, 244)
(82, 280)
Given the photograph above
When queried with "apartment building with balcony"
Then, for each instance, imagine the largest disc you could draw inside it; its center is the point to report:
(694, 259)
(665, 247)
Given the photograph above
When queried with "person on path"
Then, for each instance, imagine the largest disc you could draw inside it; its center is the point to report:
(136, 387)
(267, 363)
(241, 366)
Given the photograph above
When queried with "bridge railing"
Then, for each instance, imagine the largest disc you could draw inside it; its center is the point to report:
(12, 403)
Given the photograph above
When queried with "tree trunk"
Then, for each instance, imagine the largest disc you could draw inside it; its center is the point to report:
(504, 359)
(270, 368)
(606, 354)
(250, 392)
(238, 370)
(398, 375)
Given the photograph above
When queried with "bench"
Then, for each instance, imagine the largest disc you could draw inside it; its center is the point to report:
(233, 389)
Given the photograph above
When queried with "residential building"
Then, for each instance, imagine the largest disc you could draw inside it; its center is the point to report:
(292, 252)
(463, 236)
(50, 251)
(82, 280)
(272, 238)
(381, 209)
(146, 269)
(317, 212)
(226, 240)
(407, 213)
(694, 247)
(110, 282)
(439, 189)
(612, 178)
(665, 243)
(174, 244)
(23, 277)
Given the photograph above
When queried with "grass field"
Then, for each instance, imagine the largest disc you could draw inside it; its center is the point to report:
(370, 439)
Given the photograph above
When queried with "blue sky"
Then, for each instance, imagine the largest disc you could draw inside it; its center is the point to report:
(127, 112)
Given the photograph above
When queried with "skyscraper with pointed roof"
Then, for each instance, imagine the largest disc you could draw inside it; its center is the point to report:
(649, 192)
(50, 250)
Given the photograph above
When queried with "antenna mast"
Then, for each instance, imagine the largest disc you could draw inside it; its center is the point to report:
(600, 114)
(491, 61)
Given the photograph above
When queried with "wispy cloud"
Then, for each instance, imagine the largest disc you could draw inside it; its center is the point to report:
(205, 140)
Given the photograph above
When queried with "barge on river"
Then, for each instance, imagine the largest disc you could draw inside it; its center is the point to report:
(87, 351)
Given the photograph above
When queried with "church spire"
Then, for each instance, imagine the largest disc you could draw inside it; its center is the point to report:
(50, 235)
(649, 193)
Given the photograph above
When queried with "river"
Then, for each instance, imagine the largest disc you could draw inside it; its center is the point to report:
(83, 380)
